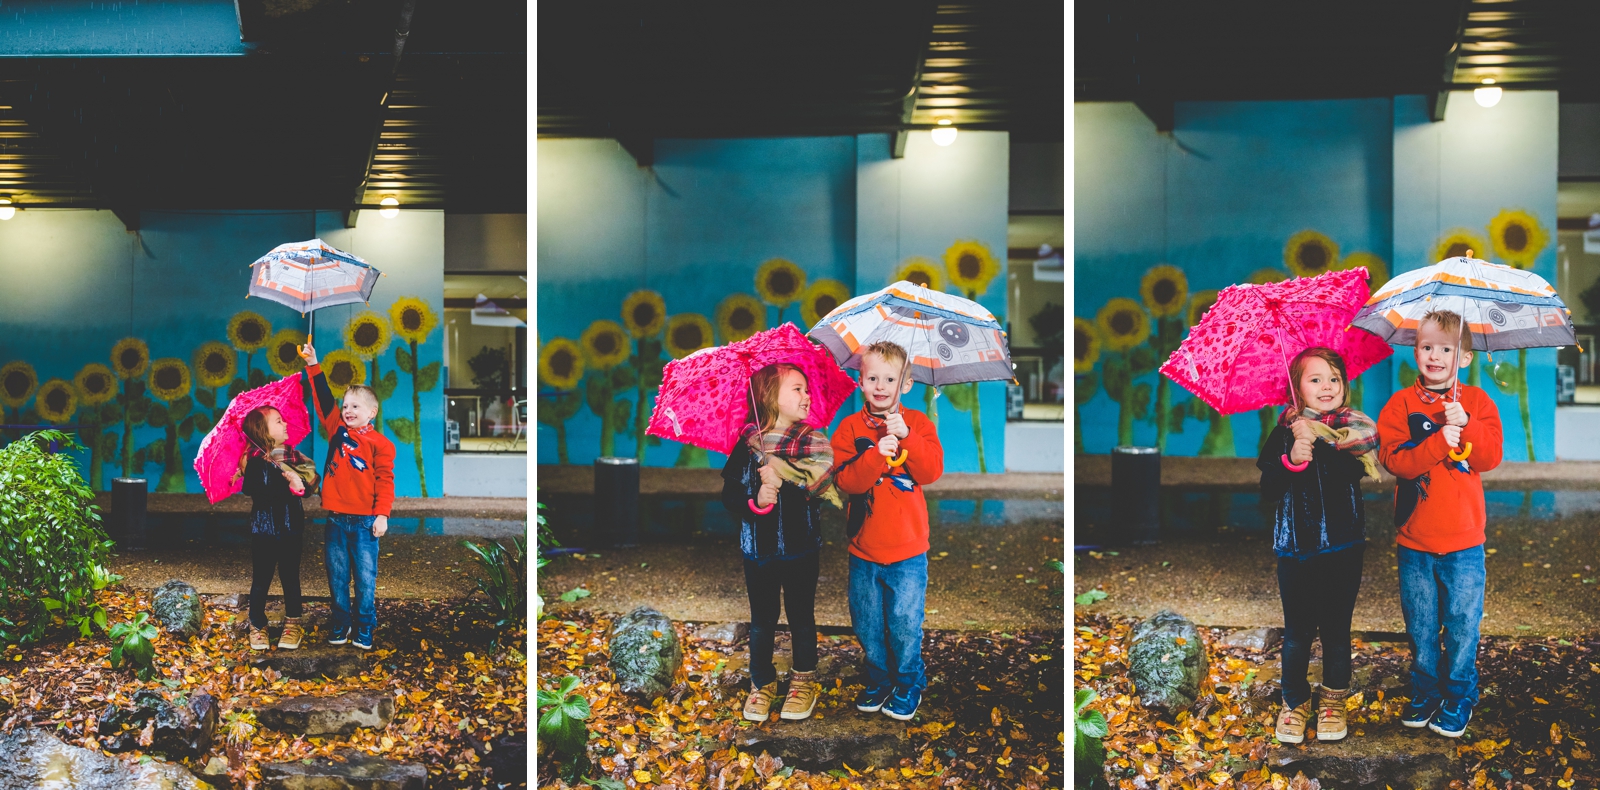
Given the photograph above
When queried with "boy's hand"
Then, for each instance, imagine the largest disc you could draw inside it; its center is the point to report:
(1301, 451)
(308, 354)
(769, 476)
(896, 425)
(1452, 435)
(1302, 430)
(767, 495)
(1455, 415)
(889, 446)
(380, 525)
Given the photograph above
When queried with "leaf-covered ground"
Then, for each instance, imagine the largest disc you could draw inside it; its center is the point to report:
(450, 691)
(1534, 728)
(992, 716)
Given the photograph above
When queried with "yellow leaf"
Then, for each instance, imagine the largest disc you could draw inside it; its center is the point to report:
(424, 644)
(691, 756)
(1541, 701)
(387, 743)
(642, 777)
(1220, 777)
(982, 687)
(906, 772)
(1555, 732)
(1180, 640)
(994, 716)
(626, 729)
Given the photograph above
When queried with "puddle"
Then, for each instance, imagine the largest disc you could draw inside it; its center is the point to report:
(233, 529)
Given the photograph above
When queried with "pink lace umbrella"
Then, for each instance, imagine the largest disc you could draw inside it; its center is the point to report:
(704, 398)
(1237, 358)
(219, 454)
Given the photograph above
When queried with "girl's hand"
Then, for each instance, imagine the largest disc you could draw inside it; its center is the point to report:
(1301, 452)
(294, 480)
(889, 446)
(380, 525)
(767, 495)
(1452, 435)
(308, 354)
(769, 476)
(1301, 429)
(1455, 415)
(896, 425)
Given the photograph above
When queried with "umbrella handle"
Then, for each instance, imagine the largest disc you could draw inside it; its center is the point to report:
(1462, 456)
(760, 511)
(1301, 467)
(901, 458)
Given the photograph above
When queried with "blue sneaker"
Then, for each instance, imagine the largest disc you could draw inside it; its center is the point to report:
(363, 640)
(339, 637)
(903, 704)
(1452, 718)
(871, 698)
(1419, 711)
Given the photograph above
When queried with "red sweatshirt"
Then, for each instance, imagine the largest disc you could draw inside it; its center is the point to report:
(358, 479)
(1438, 502)
(896, 527)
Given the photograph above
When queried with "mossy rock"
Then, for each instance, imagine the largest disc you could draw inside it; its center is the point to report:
(645, 653)
(1167, 661)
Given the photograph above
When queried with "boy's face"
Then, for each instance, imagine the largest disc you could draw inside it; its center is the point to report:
(880, 378)
(358, 410)
(1438, 357)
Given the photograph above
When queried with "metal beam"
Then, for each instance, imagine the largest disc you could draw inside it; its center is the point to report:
(641, 147)
(402, 31)
(129, 217)
(1151, 94)
(1441, 97)
(908, 102)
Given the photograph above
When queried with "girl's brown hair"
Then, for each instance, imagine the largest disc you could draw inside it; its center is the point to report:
(255, 428)
(764, 385)
(1297, 368)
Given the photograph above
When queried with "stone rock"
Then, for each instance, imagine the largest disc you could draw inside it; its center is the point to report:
(645, 653)
(340, 715)
(179, 730)
(229, 601)
(1166, 660)
(728, 633)
(31, 759)
(505, 757)
(1382, 755)
(1254, 638)
(358, 771)
(215, 773)
(179, 608)
(823, 743)
(314, 660)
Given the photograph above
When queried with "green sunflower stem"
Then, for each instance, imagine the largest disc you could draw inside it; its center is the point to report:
(1218, 442)
(561, 443)
(1077, 430)
(641, 416)
(931, 404)
(1356, 395)
(416, 414)
(977, 431)
(1125, 420)
(171, 464)
(1522, 399)
(377, 418)
(1269, 419)
(1162, 408)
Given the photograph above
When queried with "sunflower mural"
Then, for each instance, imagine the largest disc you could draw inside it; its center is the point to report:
(644, 313)
(1218, 441)
(1165, 292)
(1512, 379)
(921, 271)
(1377, 275)
(343, 370)
(1085, 352)
(413, 321)
(169, 381)
(970, 267)
(739, 316)
(57, 402)
(604, 346)
(367, 336)
(96, 385)
(248, 332)
(560, 368)
(1124, 326)
(779, 282)
(18, 382)
(686, 334)
(1310, 253)
(1517, 238)
(820, 298)
(1457, 243)
(215, 366)
(130, 360)
(1264, 276)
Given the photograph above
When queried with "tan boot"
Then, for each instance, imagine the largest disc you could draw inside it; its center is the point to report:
(293, 633)
(758, 707)
(802, 698)
(1330, 714)
(1292, 723)
(259, 639)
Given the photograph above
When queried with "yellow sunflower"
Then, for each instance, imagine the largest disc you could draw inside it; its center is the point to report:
(248, 331)
(1085, 345)
(130, 358)
(604, 344)
(17, 383)
(412, 319)
(779, 282)
(644, 313)
(215, 364)
(1377, 270)
(561, 364)
(1165, 289)
(343, 368)
(1310, 253)
(921, 271)
(687, 333)
(971, 266)
(1517, 237)
(57, 402)
(96, 384)
(283, 352)
(740, 316)
(1457, 243)
(1199, 304)
(1123, 324)
(820, 298)
(1264, 276)
(367, 335)
(169, 379)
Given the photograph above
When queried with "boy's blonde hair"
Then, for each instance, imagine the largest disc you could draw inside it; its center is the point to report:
(1297, 368)
(362, 391)
(889, 351)
(1452, 324)
(764, 384)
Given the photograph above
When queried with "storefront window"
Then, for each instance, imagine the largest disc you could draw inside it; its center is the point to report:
(1035, 302)
(486, 342)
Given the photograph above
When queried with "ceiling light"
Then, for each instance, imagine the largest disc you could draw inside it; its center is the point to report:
(1486, 97)
(390, 208)
(7, 211)
(945, 134)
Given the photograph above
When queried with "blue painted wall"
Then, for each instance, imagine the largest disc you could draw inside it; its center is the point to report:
(77, 283)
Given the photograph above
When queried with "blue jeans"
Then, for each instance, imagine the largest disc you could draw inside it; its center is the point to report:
(1443, 591)
(886, 603)
(351, 542)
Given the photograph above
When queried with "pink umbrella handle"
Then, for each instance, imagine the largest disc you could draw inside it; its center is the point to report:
(760, 511)
(1301, 467)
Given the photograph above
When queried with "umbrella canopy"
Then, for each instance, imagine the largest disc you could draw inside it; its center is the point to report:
(704, 398)
(949, 340)
(307, 275)
(1505, 308)
(1237, 358)
(222, 447)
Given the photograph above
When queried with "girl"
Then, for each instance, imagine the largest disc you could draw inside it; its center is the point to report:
(275, 478)
(775, 479)
(1311, 469)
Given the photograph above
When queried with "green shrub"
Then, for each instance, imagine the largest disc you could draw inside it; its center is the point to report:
(504, 579)
(52, 547)
(1088, 754)
(562, 726)
(132, 644)
(544, 540)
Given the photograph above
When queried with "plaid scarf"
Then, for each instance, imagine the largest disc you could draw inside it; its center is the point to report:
(1344, 428)
(800, 455)
(1452, 394)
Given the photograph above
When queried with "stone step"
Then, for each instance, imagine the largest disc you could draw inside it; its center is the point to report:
(31, 758)
(357, 771)
(1387, 755)
(1363, 677)
(337, 715)
(829, 741)
(314, 660)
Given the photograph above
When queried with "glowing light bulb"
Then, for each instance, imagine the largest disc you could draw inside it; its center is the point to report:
(945, 134)
(1487, 96)
(390, 208)
(7, 211)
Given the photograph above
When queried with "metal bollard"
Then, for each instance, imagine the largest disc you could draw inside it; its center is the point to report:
(616, 501)
(129, 498)
(1136, 494)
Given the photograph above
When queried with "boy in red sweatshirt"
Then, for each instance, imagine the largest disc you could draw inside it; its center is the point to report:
(1438, 436)
(888, 529)
(357, 491)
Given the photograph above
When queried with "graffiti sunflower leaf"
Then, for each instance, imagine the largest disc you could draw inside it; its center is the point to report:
(157, 416)
(404, 429)
(385, 386)
(403, 358)
(206, 398)
(428, 376)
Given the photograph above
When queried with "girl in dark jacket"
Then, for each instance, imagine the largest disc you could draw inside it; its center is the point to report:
(777, 476)
(1311, 469)
(277, 522)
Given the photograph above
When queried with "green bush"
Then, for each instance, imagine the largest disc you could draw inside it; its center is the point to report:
(562, 726)
(52, 547)
(132, 644)
(1088, 755)
(504, 579)
(544, 540)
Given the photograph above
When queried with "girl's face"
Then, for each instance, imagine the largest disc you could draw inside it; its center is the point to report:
(276, 427)
(794, 398)
(1321, 388)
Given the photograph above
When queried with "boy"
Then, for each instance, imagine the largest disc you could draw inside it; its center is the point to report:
(1437, 436)
(357, 491)
(888, 529)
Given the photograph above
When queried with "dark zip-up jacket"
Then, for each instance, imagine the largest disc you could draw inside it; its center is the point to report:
(792, 530)
(1315, 511)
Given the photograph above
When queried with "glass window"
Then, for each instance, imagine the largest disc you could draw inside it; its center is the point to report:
(1035, 307)
(486, 358)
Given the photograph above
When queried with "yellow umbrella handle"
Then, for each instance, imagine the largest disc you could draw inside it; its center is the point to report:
(901, 458)
(1462, 456)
